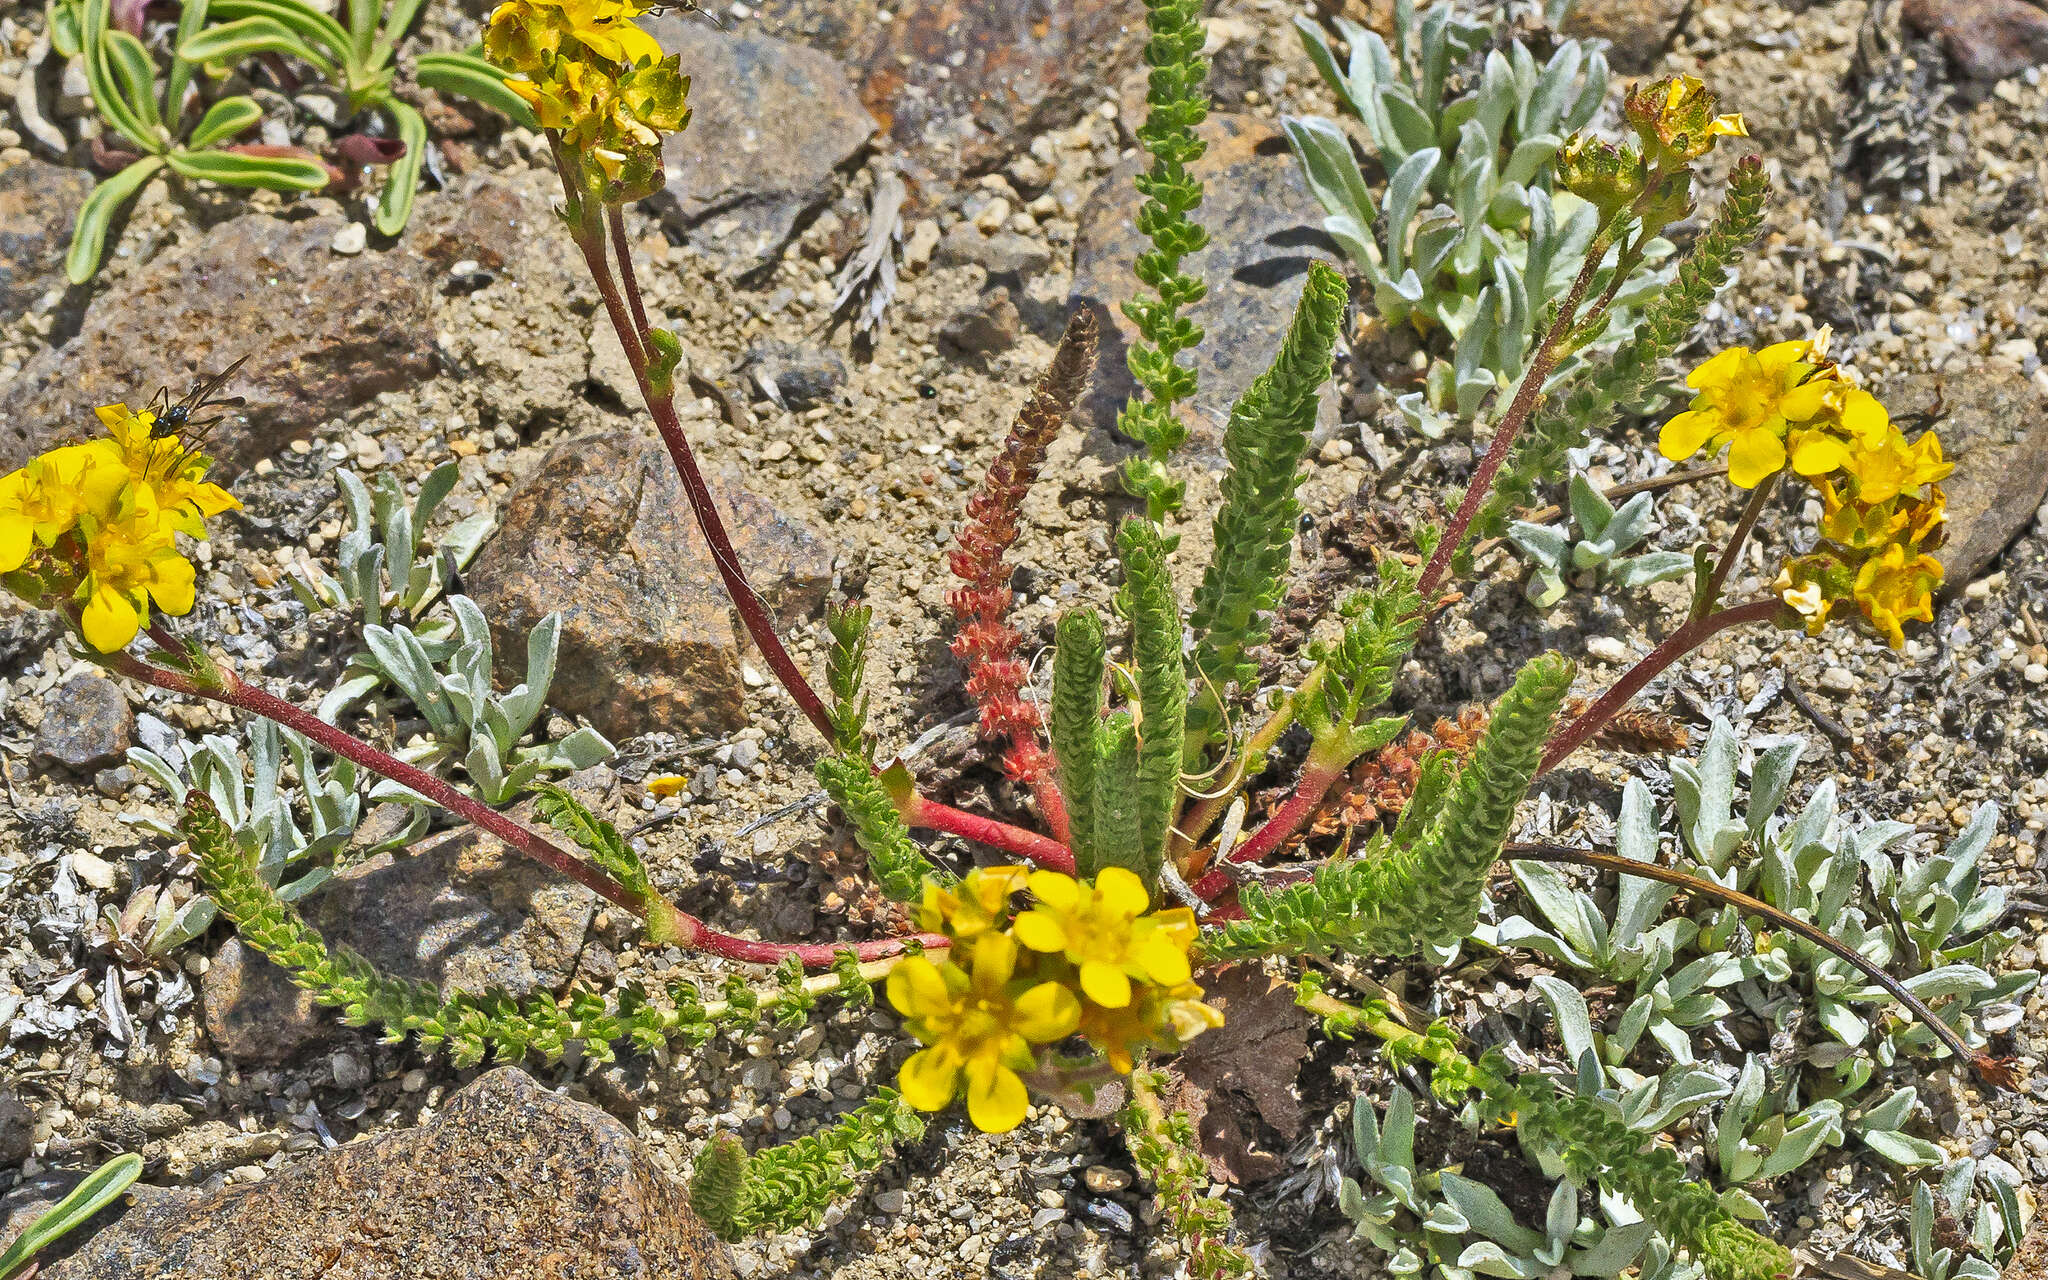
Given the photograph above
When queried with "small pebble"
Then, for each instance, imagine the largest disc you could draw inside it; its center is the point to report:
(2036, 673)
(91, 870)
(890, 1201)
(1608, 649)
(351, 240)
(1837, 680)
(1102, 1178)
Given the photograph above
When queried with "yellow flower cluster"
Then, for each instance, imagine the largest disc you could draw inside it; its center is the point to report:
(96, 524)
(1676, 123)
(1787, 406)
(1086, 958)
(597, 81)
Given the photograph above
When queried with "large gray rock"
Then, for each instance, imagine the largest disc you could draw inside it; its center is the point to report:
(87, 723)
(38, 203)
(1987, 39)
(459, 910)
(1994, 427)
(961, 87)
(771, 125)
(604, 533)
(507, 1182)
(1264, 227)
(322, 333)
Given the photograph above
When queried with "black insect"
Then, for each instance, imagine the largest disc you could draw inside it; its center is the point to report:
(179, 420)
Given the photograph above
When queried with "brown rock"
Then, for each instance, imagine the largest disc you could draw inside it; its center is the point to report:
(962, 85)
(38, 203)
(771, 125)
(322, 332)
(17, 1129)
(87, 724)
(604, 533)
(986, 327)
(1988, 40)
(526, 353)
(1637, 31)
(1995, 429)
(507, 1181)
(459, 910)
(1264, 227)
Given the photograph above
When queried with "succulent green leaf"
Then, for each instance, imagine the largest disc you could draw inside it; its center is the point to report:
(96, 215)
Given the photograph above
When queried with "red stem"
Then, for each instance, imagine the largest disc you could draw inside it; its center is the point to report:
(1510, 425)
(1309, 790)
(1691, 636)
(1028, 845)
(688, 931)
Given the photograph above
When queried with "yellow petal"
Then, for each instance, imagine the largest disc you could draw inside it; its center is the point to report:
(17, 535)
(916, 989)
(1728, 126)
(109, 621)
(1686, 434)
(1046, 1013)
(1779, 354)
(930, 1078)
(1121, 891)
(636, 46)
(996, 1100)
(1163, 962)
(172, 591)
(1865, 418)
(1106, 984)
(1816, 453)
(1055, 890)
(1041, 932)
(1806, 401)
(1754, 456)
(995, 959)
(1717, 371)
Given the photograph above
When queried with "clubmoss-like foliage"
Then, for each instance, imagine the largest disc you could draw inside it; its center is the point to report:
(1264, 442)
(470, 1027)
(1077, 665)
(790, 1186)
(1176, 102)
(1422, 888)
(1154, 611)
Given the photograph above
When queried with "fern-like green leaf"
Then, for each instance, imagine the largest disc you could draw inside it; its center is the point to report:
(788, 1187)
(1154, 612)
(1077, 662)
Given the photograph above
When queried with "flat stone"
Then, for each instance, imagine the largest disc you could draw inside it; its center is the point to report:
(984, 328)
(802, 375)
(1637, 31)
(86, 724)
(772, 123)
(604, 533)
(459, 910)
(1988, 40)
(1004, 253)
(1994, 427)
(1264, 228)
(507, 1180)
(961, 87)
(38, 204)
(322, 333)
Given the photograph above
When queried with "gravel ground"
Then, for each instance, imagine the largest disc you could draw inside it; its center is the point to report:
(1931, 265)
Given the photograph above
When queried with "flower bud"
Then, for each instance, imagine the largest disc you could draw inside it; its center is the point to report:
(1603, 174)
(1676, 120)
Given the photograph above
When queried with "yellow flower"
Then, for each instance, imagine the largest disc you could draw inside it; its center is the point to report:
(45, 500)
(1676, 120)
(1160, 1017)
(170, 470)
(1850, 420)
(1100, 929)
(978, 1024)
(1748, 401)
(132, 563)
(523, 34)
(1895, 467)
(979, 903)
(1894, 587)
(1801, 590)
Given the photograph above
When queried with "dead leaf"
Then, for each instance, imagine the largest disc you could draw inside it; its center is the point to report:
(1230, 1079)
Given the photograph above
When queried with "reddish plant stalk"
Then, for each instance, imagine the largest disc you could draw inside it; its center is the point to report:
(665, 919)
(1511, 424)
(1317, 777)
(984, 640)
(1710, 594)
(1692, 635)
(754, 612)
(1028, 845)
